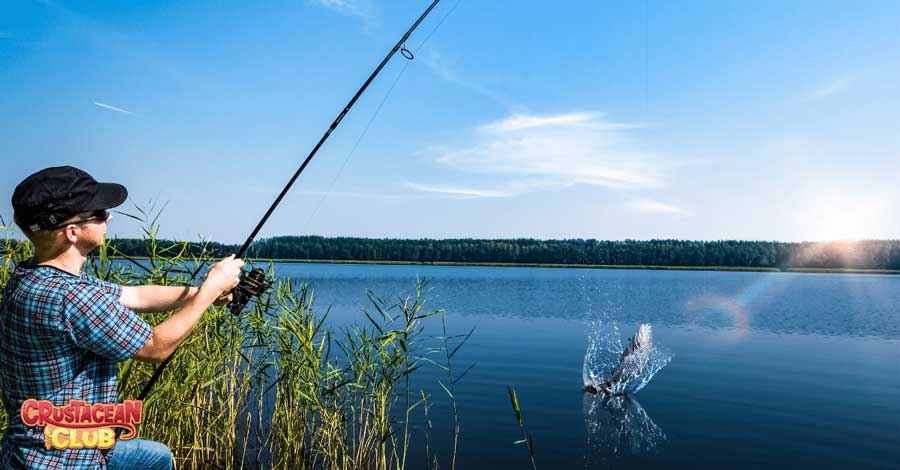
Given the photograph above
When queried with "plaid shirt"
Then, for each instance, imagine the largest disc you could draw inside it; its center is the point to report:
(61, 337)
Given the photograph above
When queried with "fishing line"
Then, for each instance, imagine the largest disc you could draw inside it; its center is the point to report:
(355, 146)
(409, 58)
(440, 22)
(254, 283)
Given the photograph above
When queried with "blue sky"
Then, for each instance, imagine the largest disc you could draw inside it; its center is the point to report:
(582, 119)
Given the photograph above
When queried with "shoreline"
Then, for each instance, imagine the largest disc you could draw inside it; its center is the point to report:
(582, 266)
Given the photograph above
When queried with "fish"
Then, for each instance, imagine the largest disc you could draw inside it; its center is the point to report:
(632, 362)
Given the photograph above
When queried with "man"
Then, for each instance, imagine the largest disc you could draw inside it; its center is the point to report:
(63, 332)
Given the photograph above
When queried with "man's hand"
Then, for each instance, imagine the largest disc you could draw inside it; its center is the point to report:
(224, 299)
(223, 277)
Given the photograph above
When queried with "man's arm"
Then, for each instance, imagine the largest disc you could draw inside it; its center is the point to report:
(152, 299)
(156, 298)
(166, 336)
(175, 329)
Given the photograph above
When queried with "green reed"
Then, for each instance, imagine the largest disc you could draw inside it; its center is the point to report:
(527, 439)
(11, 252)
(334, 393)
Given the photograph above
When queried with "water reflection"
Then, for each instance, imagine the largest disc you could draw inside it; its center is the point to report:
(617, 428)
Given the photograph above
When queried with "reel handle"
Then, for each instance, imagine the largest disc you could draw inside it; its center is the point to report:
(252, 284)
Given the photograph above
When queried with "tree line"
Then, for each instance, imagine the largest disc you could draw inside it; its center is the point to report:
(866, 254)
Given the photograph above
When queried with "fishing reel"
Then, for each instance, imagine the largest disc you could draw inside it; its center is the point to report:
(252, 284)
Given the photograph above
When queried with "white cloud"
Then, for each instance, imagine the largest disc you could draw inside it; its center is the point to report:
(439, 64)
(445, 68)
(508, 189)
(518, 122)
(530, 152)
(650, 206)
(273, 191)
(459, 191)
(359, 8)
(832, 87)
(113, 108)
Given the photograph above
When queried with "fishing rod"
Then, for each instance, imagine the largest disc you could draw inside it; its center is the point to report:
(253, 283)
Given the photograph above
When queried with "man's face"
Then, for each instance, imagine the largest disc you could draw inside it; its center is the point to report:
(92, 232)
(86, 234)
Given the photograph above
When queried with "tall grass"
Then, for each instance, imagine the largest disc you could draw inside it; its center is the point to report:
(273, 383)
(11, 252)
(527, 439)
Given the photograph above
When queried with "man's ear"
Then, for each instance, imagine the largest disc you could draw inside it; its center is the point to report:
(71, 233)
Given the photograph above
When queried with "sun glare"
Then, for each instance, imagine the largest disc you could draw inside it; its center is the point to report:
(844, 217)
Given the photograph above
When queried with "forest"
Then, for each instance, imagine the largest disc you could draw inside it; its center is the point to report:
(865, 254)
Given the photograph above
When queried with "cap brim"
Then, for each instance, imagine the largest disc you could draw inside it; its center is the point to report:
(108, 195)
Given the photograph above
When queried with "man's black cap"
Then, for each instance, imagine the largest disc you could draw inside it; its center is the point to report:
(51, 196)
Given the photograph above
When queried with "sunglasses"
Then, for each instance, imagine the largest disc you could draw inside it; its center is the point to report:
(102, 215)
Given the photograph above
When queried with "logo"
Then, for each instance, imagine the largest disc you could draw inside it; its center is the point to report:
(78, 425)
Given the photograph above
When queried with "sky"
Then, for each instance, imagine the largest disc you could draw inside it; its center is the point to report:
(705, 120)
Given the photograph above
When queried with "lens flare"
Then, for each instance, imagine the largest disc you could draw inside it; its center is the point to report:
(734, 313)
(720, 311)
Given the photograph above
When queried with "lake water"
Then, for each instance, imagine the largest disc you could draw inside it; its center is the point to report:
(769, 370)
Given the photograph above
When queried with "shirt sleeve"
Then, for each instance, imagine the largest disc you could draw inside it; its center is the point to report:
(96, 321)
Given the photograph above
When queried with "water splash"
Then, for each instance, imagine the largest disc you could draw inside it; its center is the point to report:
(615, 369)
(616, 428)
